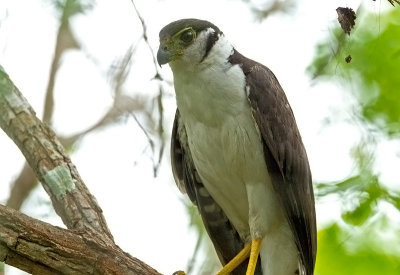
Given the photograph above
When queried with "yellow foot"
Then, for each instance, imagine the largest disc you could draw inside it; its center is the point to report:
(236, 261)
(255, 250)
(180, 272)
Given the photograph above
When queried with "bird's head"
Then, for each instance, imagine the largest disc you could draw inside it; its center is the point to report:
(187, 41)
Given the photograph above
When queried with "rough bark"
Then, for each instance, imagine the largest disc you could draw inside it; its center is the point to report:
(40, 248)
(87, 246)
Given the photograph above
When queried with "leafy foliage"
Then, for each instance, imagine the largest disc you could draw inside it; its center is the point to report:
(371, 75)
(374, 67)
(340, 254)
(362, 192)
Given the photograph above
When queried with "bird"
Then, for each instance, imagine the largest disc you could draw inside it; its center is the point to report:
(237, 153)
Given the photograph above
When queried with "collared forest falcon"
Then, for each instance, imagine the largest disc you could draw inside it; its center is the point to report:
(236, 151)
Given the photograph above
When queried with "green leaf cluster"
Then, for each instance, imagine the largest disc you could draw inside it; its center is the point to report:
(341, 251)
(361, 193)
(365, 241)
(374, 47)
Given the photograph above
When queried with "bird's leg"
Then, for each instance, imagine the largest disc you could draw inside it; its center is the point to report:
(255, 250)
(236, 261)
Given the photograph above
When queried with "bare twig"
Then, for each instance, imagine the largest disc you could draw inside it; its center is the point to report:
(159, 99)
(123, 105)
(146, 40)
(65, 41)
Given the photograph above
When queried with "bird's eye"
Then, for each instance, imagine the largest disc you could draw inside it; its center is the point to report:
(187, 36)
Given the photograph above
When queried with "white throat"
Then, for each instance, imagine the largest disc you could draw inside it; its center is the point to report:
(208, 89)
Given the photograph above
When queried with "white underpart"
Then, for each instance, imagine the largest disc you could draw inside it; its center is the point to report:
(227, 150)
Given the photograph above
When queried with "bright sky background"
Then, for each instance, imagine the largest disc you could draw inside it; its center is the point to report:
(145, 214)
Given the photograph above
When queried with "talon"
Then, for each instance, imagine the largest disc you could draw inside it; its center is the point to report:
(179, 272)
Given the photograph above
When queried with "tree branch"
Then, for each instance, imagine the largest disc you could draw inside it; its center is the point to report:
(70, 197)
(27, 240)
(40, 248)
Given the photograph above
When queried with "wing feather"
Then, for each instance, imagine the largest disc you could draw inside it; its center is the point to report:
(284, 153)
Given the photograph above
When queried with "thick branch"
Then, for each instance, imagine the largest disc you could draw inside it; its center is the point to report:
(71, 199)
(38, 247)
(35, 246)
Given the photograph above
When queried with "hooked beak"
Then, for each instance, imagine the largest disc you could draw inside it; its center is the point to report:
(163, 55)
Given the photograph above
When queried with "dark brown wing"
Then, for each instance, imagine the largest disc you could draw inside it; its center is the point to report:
(285, 154)
(225, 238)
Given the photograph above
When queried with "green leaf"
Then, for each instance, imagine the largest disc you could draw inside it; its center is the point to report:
(341, 252)
(361, 213)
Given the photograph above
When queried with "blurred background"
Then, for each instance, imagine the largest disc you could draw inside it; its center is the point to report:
(88, 69)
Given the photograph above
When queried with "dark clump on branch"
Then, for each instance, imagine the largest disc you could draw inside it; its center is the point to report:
(346, 18)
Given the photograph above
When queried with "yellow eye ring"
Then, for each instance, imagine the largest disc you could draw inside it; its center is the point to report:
(187, 36)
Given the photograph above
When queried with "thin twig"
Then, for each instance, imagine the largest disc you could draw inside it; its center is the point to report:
(160, 128)
(145, 38)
